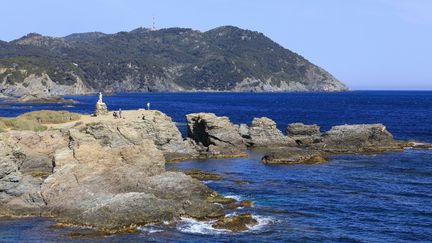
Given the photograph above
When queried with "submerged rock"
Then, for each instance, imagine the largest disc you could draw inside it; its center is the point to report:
(202, 175)
(293, 156)
(241, 204)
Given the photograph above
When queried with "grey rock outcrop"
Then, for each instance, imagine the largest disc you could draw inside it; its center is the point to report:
(304, 134)
(313, 146)
(153, 125)
(264, 133)
(109, 187)
(360, 138)
(217, 136)
(25, 161)
(108, 174)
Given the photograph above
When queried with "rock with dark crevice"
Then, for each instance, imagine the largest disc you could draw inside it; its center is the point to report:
(217, 136)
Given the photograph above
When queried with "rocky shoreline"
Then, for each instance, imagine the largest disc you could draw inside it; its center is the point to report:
(109, 174)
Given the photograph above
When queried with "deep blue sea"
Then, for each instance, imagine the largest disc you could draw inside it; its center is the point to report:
(353, 198)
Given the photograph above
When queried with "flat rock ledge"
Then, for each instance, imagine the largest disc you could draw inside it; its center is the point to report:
(293, 156)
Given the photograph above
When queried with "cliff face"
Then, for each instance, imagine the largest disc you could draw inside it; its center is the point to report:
(176, 59)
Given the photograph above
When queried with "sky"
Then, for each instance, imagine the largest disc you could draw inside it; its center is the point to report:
(367, 44)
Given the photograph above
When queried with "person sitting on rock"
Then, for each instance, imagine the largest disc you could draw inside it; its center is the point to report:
(115, 115)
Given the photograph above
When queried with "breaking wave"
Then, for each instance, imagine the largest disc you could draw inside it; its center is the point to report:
(193, 226)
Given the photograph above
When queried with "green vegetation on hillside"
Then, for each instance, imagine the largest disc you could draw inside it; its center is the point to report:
(217, 59)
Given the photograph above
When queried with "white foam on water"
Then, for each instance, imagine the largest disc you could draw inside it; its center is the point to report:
(262, 221)
(193, 226)
(237, 198)
(150, 228)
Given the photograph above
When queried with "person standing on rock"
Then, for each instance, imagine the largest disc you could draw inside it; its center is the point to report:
(148, 105)
(120, 113)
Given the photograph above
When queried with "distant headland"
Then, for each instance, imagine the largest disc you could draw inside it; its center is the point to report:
(226, 58)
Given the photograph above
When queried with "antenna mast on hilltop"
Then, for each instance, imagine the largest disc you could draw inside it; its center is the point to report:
(154, 24)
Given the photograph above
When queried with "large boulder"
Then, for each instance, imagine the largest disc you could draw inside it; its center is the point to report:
(304, 134)
(264, 133)
(300, 129)
(24, 163)
(151, 124)
(109, 187)
(218, 136)
(361, 138)
(34, 150)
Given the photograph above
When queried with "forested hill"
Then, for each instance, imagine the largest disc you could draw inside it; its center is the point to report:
(176, 59)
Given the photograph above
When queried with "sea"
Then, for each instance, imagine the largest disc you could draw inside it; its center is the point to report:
(353, 198)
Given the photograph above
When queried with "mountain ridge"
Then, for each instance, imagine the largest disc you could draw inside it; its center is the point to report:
(225, 58)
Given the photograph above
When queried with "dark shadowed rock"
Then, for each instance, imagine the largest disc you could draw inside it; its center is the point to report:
(217, 136)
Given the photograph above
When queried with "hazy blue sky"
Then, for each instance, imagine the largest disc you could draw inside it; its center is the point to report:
(368, 44)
